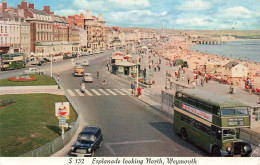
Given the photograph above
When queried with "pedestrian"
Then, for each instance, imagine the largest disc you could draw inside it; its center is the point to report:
(231, 89)
(259, 101)
(155, 69)
(197, 81)
(104, 84)
(188, 78)
(132, 88)
(97, 74)
(138, 91)
(159, 68)
(250, 88)
(202, 81)
(193, 83)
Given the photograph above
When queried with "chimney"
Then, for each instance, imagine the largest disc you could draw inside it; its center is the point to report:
(18, 6)
(47, 9)
(31, 6)
(24, 4)
(4, 6)
(64, 18)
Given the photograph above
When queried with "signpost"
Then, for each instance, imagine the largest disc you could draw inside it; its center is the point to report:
(62, 112)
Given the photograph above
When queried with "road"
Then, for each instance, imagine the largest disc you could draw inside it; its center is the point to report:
(130, 127)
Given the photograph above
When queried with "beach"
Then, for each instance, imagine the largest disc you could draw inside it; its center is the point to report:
(197, 62)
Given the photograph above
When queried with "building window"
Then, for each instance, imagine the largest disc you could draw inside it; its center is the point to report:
(5, 29)
(1, 29)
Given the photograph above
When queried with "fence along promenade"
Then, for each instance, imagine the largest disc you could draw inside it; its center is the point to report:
(57, 144)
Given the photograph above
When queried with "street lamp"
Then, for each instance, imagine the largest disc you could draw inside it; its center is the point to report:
(51, 59)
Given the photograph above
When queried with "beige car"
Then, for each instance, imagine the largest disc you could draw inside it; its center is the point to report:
(87, 77)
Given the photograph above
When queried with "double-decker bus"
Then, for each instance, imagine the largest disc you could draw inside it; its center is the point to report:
(211, 122)
(12, 61)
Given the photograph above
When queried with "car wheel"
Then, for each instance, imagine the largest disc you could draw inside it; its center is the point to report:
(184, 134)
(93, 153)
(215, 152)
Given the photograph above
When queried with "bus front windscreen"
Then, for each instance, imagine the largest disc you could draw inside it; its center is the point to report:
(230, 111)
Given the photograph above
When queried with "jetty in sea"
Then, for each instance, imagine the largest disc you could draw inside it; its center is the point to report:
(209, 41)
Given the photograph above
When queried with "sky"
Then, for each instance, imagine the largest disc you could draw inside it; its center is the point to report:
(174, 14)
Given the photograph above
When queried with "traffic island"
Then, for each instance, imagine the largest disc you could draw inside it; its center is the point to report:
(30, 122)
(37, 80)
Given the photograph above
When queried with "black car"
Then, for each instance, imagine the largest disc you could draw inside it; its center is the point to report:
(88, 141)
(47, 60)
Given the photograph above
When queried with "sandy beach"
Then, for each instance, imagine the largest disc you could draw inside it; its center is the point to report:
(197, 61)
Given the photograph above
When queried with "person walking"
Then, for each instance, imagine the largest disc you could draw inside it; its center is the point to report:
(132, 88)
(188, 79)
(250, 88)
(202, 81)
(104, 84)
(97, 74)
(138, 91)
(182, 78)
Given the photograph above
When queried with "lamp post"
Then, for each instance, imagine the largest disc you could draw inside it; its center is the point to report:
(51, 59)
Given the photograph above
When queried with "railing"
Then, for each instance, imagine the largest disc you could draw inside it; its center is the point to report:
(57, 144)
(152, 95)
(252, 137)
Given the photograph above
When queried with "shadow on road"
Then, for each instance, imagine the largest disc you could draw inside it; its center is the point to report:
(167, 129)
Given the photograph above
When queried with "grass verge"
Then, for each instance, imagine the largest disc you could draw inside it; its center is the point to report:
(41, 80)
(29, 123)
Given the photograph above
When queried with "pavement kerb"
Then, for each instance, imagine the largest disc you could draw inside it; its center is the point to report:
(28, 87)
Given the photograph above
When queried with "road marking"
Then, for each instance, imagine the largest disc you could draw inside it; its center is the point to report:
(109, 90)
(126, 91)
(118, 91)
(108, 145)
(70, 92)
(88, 93)
(79, 92)
(96, 92)
(102, 91)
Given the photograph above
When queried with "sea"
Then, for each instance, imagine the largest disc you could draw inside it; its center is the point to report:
(248, 50)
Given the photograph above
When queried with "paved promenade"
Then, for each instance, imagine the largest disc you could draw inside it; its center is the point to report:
(212, 86)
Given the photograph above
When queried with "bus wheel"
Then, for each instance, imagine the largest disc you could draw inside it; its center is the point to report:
(215, 152)
(184, 134)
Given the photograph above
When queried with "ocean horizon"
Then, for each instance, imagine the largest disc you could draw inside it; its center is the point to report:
(248, 50)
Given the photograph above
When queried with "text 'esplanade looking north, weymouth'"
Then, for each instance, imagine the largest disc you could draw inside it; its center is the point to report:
(139, 80)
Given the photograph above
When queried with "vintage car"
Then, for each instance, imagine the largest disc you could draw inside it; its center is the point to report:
(87, 77)
(85, 63)
(89, 140)
(33, 71)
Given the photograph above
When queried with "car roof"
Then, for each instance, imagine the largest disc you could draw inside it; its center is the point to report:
(89, 129)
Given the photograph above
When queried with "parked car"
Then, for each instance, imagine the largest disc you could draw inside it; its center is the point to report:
(84, 53)
(96, 51)
(85, 63)
(34, 62)
(47, 60)
(74, 55)
(87, 77)
(33, 71)
(89, 140)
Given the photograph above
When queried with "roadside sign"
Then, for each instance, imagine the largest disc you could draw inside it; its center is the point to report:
(62, 109)
(62, 121)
